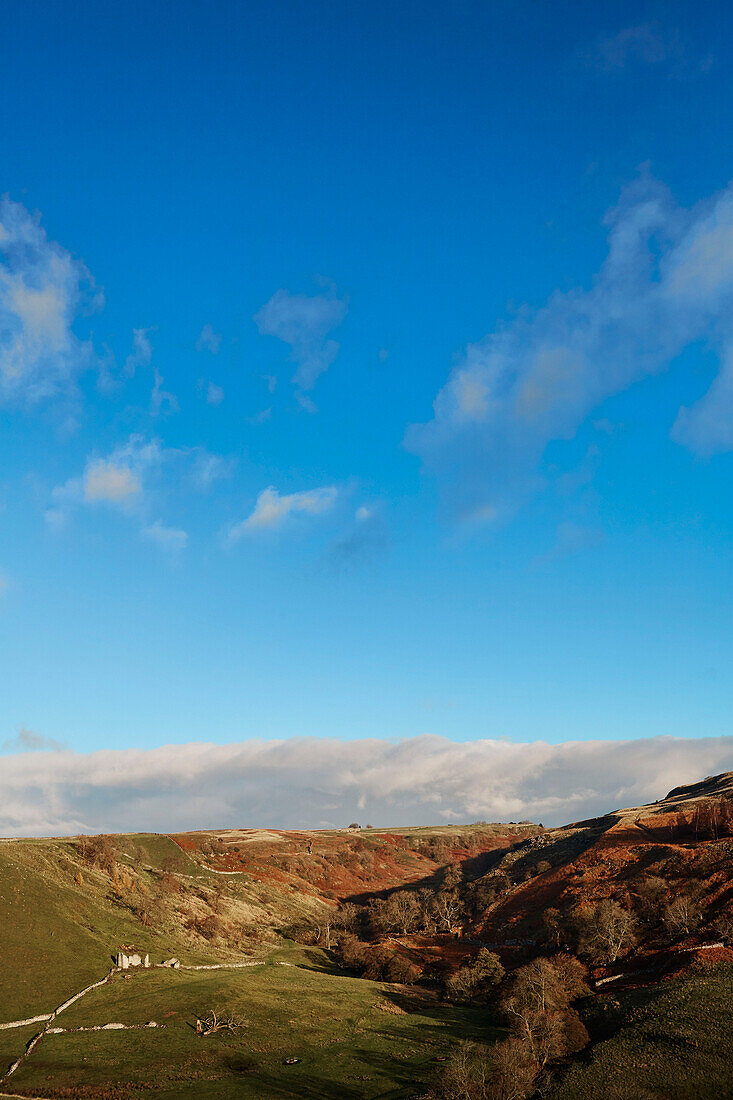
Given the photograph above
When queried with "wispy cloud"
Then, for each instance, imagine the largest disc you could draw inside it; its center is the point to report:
(272, 509)
(172, 539)
(648, 43)
(304, 323)
(301, 783)
(208, 340)
(44, 291)
(205, 468)
(142, 351)
(214, 394)
(124, 478)
(28, 741)
(667, 281)
(161, 400)
(571, 538)
(366, 538)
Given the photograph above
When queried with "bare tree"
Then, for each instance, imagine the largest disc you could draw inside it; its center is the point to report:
(606, 931)
(681, 916)
(217, 1020)
(513, 1071)
(466, 1075)
(447, 908)
(538, 1006)
(452, 877)
(405, 910)
(552, 920)
(347, 917)
(473, 1073)
(652, 893)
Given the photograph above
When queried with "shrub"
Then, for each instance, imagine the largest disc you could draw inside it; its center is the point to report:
(209, 927)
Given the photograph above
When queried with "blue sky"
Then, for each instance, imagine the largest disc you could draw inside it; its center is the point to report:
(325, 411)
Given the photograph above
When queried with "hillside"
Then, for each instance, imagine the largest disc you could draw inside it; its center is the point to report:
(358, 952)
(683, 840)
(209, 899)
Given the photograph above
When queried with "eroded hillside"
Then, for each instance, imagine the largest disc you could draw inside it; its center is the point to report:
(389, 946)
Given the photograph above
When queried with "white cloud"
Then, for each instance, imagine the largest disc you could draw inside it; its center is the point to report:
(272, 510)
(106, 480)
(118, 478)
(300, 782)
(208, 340)
(667, 281)
(124, 477)
(167, 538)
(44, 290)
(304, 323)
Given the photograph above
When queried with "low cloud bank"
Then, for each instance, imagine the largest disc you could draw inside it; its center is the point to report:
(314, 783)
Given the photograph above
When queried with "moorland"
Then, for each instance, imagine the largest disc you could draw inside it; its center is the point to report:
(490, 960)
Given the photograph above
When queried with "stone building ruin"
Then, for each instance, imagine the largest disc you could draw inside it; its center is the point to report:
(130, 956)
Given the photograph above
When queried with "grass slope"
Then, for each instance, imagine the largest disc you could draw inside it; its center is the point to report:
(355, 1039)
(58, 936)
(675, 1043)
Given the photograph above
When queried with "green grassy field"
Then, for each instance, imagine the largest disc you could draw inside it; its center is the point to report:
(355, 1038)
(60, 925)
(675, 1043)
(58, 936)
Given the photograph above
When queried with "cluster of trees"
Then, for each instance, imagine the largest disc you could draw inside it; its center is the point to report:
(424, 910)
(477, 981)
(605, 931)
(711, 819)
(537, 1004)
(98, 851)
(378, 964)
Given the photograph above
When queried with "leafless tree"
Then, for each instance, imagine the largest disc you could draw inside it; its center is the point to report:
(552, 920)
(447, 909)
(652, 893)
(606, 931)
(681, 916)
(217, 1020)
(347, 917)
(405, 910)
(538, 1006)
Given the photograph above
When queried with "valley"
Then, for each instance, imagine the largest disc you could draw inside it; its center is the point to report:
(368, 962)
